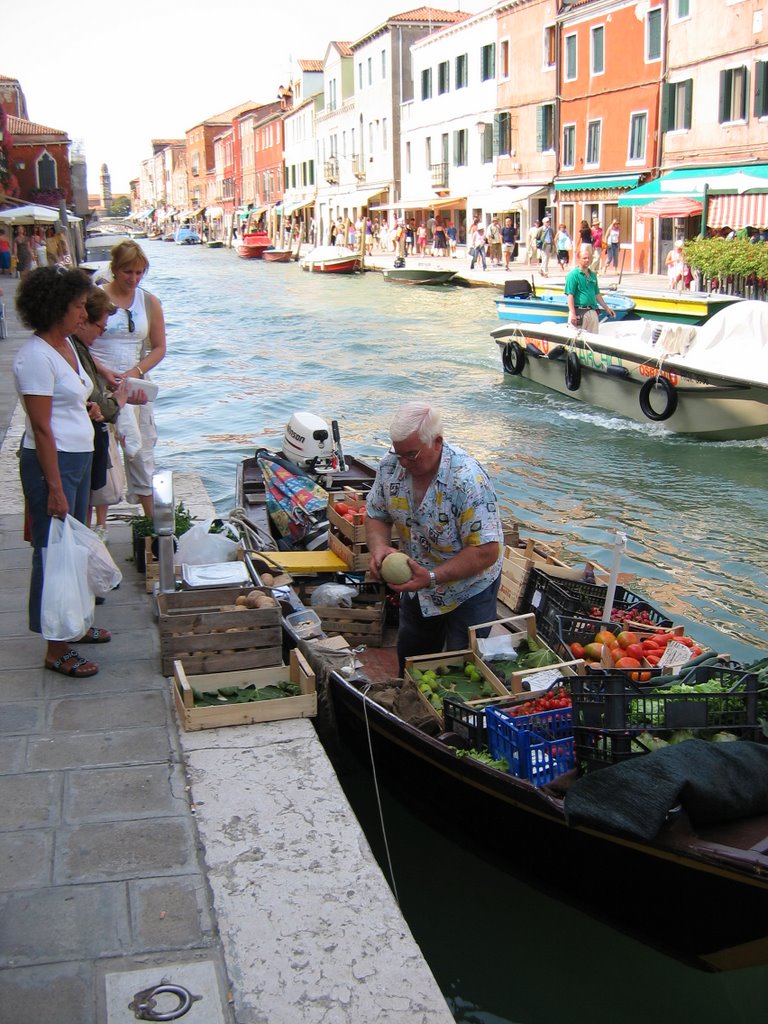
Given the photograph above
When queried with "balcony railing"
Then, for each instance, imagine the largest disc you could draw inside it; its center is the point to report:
(358, 167)
(331, 170)
(439, 175)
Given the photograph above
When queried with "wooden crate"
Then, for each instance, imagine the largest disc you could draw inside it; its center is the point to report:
(517, 565)
(355, 556)
(354, 533)
(304, 705)
(363, 622)
(152, 567)
(207, 633)
(520, 627)
(424, 662)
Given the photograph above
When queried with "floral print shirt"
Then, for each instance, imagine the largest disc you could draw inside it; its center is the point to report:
(459, 509)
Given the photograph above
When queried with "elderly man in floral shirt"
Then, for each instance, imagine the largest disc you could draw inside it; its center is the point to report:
(444, 509)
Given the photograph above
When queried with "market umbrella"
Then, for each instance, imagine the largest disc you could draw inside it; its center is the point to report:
(671, 206)
(297, 505)
(29, 215)
(739, 182)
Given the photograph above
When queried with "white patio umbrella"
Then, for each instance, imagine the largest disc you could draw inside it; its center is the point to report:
(32, 214)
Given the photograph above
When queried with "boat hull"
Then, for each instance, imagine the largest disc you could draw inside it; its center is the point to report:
(332, 259)
(669, 306)
(673, 898)
(278, 255)
(550, 308)
(709, 409)
(419, 277)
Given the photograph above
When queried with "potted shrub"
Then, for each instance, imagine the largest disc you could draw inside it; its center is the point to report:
(144, 526)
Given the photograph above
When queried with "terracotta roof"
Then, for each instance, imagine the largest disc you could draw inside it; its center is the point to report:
(310, 65)
(430, 14)
(18, 127)
(344, 48)
(5, 78)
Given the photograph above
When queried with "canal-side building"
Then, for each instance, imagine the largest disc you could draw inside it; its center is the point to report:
(201, 160)
(524, 126)
(447, 158)
(268, 161)
(300, 148)
(611, 69)
(337, 138)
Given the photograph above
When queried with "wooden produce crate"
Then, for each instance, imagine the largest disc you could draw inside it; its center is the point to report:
(304, 705)
(362, 622)
(424, 662)
(354, 533)
(517, 565)
(207, 632)
(520, 627)
(355, 556)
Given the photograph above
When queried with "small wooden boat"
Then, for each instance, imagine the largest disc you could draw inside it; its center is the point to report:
(215, 243)
(668, 306)
(253, 246)
(278, 255)
(332, 259)
(710, 381)
(419, 276)
(186, 236)
(522, 304)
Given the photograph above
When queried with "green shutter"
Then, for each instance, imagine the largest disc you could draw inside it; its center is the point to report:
(540, 129)
(667, 107)
(688, 108)
(761, 92)
(724, 92)
(455, 149)
(496, 148)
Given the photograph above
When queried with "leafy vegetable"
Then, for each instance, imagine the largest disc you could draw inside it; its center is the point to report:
(501, 764)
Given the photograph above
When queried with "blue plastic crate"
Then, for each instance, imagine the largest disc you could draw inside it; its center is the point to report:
(538, 747)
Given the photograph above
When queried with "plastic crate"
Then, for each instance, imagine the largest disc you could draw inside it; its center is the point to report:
(549, 598)
(468, 720)
(579, 630)
(538, 747)
(610, 712)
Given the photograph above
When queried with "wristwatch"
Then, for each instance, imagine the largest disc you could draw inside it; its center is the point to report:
(432, 580)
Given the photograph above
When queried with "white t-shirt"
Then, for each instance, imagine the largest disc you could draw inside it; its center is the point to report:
(39, 370)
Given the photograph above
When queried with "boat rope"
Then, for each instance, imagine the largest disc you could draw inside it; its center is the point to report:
(393, 884)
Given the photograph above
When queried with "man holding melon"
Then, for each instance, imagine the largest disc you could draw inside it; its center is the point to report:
(443, 506)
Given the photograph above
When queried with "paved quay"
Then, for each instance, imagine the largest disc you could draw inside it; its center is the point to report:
(225, 862)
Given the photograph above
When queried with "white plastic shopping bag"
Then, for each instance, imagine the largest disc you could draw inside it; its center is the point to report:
(67, 604)
(128, 431)
(103, 574)
(199, 547)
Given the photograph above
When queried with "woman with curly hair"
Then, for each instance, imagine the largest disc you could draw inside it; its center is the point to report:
(57, 447)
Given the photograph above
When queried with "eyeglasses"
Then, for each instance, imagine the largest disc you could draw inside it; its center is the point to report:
(405, 456)
(101, 324)
(131, 324)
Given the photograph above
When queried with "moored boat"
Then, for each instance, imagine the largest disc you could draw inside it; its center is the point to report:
(419, 276)
(253, 246)
(186, 236)
(215, 243)
(669, 306)
(710, 381)
(522, 304)
(332, 259)
(278, 255)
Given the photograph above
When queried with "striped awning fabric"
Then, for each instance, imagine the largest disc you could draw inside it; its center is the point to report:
(738, 211)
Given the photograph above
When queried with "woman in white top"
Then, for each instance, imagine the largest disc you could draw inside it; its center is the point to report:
(131, 346)
(57, 447)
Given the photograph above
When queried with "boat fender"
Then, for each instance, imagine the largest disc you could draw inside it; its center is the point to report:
(572, 372)
(618, 371)
(513, 358)
(532, 350)
(556, 352)
(670, 399)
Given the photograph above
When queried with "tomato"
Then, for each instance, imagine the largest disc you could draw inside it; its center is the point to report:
(684, 640)
(628, 663)
(605, 636)
(625, 638)
(342, 508)
(635, 651)
(696, 651)
(652, 659)
(577, 650)
(594, 651)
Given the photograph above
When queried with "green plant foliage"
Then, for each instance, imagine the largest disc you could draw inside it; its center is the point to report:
(736, 262)
(144, 526)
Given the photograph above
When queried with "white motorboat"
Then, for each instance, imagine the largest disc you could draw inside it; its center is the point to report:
(332, 259)
(710, 381)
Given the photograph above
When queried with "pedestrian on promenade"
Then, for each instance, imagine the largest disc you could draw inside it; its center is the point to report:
(612, 252)
(477, 246)
(563, 246)
(22, 252)
(443, 506)
(493, 239)
(546, 244)
(104, 405)
(5, 254)
(531, 240)
(57, 446)
(508, 241)
(131, 346)
(452, 239)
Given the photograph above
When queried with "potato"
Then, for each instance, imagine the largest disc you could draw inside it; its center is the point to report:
(267, 579)
(265, 601)
(241, 600)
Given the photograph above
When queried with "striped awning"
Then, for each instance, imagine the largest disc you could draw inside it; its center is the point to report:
(738, 211)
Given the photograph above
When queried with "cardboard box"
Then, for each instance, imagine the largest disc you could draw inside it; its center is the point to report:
(304, 705)
(518, 628)
(207, 632)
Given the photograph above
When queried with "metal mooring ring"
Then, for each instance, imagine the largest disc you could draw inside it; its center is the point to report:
(144, 1003)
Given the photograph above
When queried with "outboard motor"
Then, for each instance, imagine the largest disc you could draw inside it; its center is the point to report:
(308, 442)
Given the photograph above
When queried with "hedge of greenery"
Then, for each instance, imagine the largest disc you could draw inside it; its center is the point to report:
(736, 266)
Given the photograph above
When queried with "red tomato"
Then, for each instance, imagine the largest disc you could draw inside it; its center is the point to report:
(626, 638)
(696, 651)
(342, 508)
(605, 636)
(628, 663)
(635, 651)
(652, 659)
(684, 640)
(577, 650)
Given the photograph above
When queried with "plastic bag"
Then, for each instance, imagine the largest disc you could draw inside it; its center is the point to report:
(114, 489)
(333, 595)
(103, 575)
(67, 602)
(128, 430)
(199, 547)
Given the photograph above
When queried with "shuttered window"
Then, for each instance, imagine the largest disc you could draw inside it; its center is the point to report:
(677, 106)
(733, 95)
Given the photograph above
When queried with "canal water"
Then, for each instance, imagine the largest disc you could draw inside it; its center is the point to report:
(250, 342)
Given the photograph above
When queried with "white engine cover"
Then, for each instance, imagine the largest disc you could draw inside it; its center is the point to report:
(307, 439)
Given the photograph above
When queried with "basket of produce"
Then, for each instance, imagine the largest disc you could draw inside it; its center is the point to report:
(538, 747)
(549, 598)
(615, 718)
(643, 653)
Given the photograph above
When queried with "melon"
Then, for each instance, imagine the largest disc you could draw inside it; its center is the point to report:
(395, 568)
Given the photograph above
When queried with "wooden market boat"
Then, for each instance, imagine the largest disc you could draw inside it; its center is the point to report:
(709, 381)
(669, 306)
(419, 276)
(278, 255)
(522, 304)
(332, 259)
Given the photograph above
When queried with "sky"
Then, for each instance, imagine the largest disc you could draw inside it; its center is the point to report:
(116, 76)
